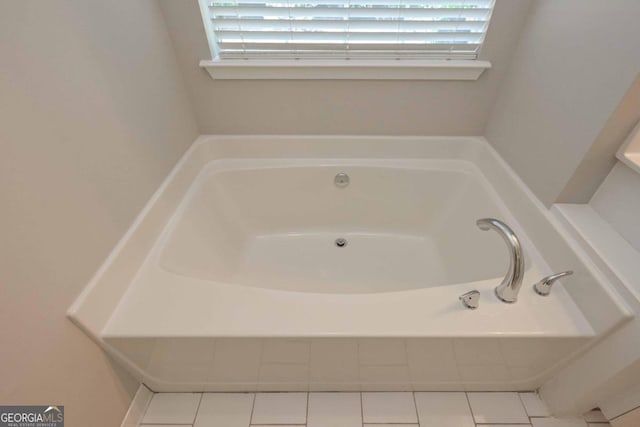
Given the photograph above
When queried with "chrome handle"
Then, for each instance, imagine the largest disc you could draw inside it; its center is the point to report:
(471, 299)
(543, 287)
(507, 291)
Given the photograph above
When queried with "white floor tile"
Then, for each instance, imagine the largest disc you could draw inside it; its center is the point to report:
(558, 422)
(398, 425)
(534, 406)
(497, 408)
(334, 409)
(504, 425)
(280, 408)
(380, 409)
(443, 410)
(595, 416)
(172, 408)
(389, 407)
(225, 410)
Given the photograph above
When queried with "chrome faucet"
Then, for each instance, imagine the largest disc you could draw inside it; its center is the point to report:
(507, 291)
(470, 299)
(543, 287)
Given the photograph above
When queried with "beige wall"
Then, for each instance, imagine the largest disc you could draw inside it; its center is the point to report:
(617, 198)
(574, 63)
(341, 107)
(93, 115)
(618, 202)
(596, 164)
(630, 419)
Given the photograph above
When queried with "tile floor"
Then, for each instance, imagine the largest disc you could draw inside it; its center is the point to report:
(367, 409)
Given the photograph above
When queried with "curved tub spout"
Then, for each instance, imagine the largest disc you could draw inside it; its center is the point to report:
(507, 291)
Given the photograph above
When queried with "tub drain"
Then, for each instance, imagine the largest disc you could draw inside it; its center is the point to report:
(341, 180)
(340, 242)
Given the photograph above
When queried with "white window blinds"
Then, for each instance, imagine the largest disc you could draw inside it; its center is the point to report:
(327, 29)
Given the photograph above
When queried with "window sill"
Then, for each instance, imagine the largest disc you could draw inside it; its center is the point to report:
(344, 69)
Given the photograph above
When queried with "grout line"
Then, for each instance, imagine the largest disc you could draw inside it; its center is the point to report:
(306, 414)
(524, 406)
(253, 405)
(198, 408)
(415, 406)
(473, 416)
(361, 409)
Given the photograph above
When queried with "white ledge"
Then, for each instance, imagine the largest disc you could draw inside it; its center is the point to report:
(608, 249)
(245, 69)
(629, 152)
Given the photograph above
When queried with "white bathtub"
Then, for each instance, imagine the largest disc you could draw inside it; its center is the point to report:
(408, 224)
(231, 280)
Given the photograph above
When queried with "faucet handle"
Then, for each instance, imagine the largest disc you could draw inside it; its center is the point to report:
(543, 287)
(470, 299)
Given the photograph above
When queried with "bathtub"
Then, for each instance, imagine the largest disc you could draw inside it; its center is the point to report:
(274, 223)
(251, 269)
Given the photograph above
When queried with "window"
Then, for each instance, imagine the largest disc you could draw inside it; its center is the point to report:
(333, 30)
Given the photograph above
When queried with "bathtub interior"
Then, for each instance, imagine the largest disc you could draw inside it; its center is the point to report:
(407, 225)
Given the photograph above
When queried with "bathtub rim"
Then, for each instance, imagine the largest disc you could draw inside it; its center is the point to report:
(92, 318)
